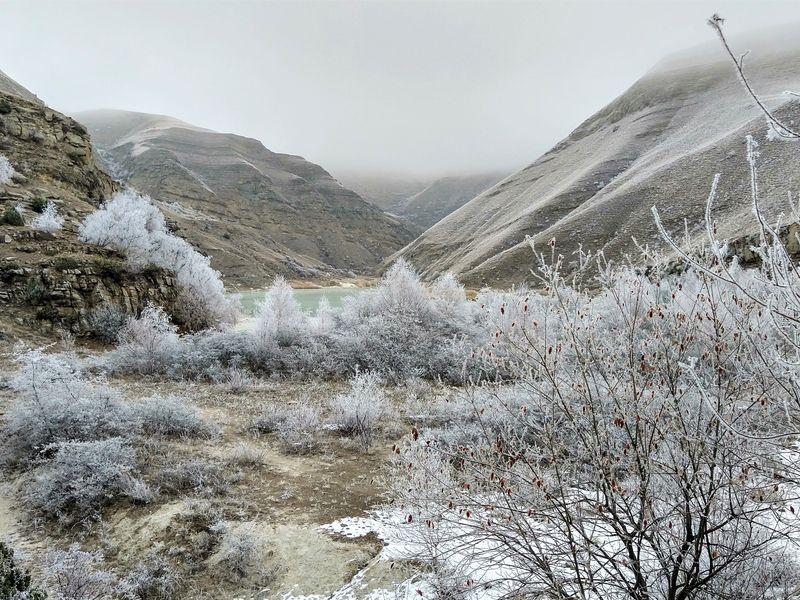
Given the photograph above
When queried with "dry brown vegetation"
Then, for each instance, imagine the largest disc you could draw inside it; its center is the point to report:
(232, 486)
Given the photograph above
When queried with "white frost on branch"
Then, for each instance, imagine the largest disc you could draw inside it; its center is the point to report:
(6, 170)
(130, 223)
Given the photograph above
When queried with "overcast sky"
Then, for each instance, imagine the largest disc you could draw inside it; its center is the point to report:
(389, 87)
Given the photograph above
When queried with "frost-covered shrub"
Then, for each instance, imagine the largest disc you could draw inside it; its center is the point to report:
(280, 330)
(81, 477)
(448, 292)
(15, 581)
(155, 578)
(238, 380)
(323, 322)
(198, 475)
(239, 552)
(400, 330)
(138, 490)
(170, 415)
(106, 322)
(55, 404)
(74, 574)
(621, 398)
(48, 220)
(268, 418)
(12, 216)
(148, 344)
(210, 354)
(299, 431)
(130, 223)
(247, 454)
(6, 170)
(401, 289)
(360, 412)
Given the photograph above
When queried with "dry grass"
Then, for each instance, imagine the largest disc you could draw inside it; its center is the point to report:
(282, 497)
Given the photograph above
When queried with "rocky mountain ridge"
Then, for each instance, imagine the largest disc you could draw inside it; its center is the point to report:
(254, 211)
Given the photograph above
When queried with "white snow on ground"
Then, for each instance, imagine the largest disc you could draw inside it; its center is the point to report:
(479, 559)
(414, 541)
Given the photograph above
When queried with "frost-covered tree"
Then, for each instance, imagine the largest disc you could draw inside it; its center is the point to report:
(617, 467)
(645, 450)
(324, 322)
(130, 223)
(279, 318)
(401, 329)
(48, 220)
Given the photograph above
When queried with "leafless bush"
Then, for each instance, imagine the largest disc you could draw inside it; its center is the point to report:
(299, 432)
(148, 344)
(170, 415)
(269, 418)
(155, 578)
(55, 404)
(74, 574)
(645, 449)
(106, 322)
(238, 380)
(198, 475)
(360, 412)
(81, 477)
(247, 454)
(240, 551)
(138, 490)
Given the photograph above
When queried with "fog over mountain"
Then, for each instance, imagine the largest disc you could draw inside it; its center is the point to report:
(427, 89)
(660, 143)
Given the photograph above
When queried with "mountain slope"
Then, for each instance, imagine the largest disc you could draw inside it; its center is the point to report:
(255, 212)
(432, 204)
(387, 192)
(9, 86)
(660, 143)
(421, 202)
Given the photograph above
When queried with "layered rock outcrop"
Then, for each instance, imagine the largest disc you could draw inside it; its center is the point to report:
(53, 281)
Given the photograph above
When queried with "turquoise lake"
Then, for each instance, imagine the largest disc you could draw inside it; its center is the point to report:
(307, 298)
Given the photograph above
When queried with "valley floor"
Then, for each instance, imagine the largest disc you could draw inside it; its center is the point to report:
(280, 500)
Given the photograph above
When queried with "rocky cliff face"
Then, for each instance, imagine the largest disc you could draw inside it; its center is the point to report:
(660, 143)
(44, 288)
(255, 212)
(52, 155)
(53, 281)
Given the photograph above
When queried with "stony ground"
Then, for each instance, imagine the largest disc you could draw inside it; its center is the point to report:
(282, 499)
